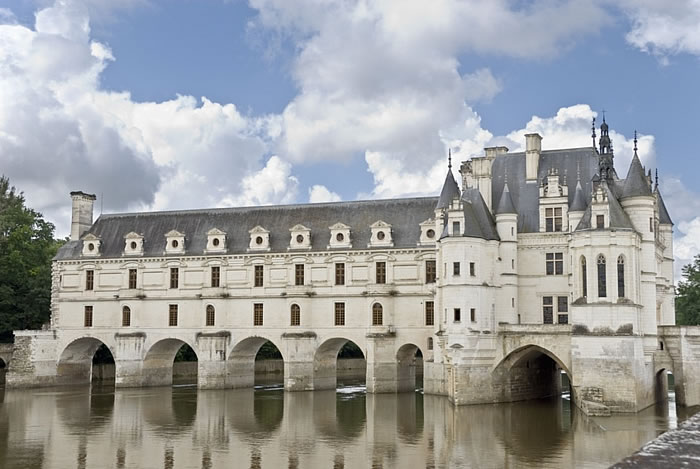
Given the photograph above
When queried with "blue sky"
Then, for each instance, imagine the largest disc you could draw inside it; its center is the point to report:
(157, 104)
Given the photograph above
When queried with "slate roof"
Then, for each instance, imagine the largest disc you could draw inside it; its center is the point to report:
(505, 205)
(405, 216)
(618, 217)
(664, 217)
(636, 182)
(478, 221)
(525, 196)
(579, 204)
(450, 191)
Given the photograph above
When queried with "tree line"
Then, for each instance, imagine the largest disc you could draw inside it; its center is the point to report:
(27, 246)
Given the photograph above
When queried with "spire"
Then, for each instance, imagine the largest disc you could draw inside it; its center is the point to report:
(579, 202)
(606, 167)
(450, 188)
(637, 182)
(635, 142)
(449, 158)
(506, 205)
(656, 180)
(605, 143)
(593, 131)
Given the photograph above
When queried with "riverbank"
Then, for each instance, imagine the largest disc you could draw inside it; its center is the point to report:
(675, 448)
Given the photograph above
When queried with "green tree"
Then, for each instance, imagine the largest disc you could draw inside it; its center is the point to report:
(26, 249)
(688, 295)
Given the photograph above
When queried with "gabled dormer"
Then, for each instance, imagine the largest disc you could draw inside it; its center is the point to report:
(554, 204)
(427, 232)
(380, 234)
(600, 208)
(133, 244)
(340, 236)
(216, 241)
(91, 245)
(174, 242)
(259, 239)
(300, 237)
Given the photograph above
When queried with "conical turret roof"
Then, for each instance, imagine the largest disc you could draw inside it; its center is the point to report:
(505, 204)
(636, 184)
(450, 191)
(664, 217)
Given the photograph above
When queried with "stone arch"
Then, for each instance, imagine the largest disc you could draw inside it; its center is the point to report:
(326, 362)
(531, 372)
(661, 383)
(406, 367)
(75, 363)
(158, 361)
(241, 361)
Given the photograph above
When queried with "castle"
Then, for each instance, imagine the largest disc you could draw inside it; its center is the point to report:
(544, 262)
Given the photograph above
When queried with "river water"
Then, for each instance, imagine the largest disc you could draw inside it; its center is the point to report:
(182, 427)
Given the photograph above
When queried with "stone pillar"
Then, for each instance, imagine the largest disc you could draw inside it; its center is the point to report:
(128, 363)
(211, 357)
(299, 351)
(382, 368)
(34, 360)
(683, 343)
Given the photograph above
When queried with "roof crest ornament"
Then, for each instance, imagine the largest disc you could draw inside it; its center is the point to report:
(635, 142)
(593, 132)
(656, 182)
(449, 158)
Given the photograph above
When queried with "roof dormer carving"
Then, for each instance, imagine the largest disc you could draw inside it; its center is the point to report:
(259, 239)
(380, 234)
(133, 244)
(428, 235)
(91, 245)
(216, 241)
(300, 237)
(340, 236)
(174, 242)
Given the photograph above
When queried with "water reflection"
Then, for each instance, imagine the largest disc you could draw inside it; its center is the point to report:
(267, 428)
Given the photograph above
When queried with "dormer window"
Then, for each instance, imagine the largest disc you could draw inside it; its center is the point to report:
(174, 242)
(427, 232)
(455, 228)
(600, 221)
(91, 245)
(300, 237)
(340, 236)
(553, 219)
(216, 240)
(133, 244)
(259, 239)
(381, 234)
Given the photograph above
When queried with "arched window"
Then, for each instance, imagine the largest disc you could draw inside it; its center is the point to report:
(377, 314)
(584, 278)
(126, 316)
(211, 315)
(602, 291)
(620, 277)
(295, 312)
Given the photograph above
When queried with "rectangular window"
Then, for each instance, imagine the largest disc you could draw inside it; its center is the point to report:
(258, 314)
(562, 310)
(455, 228)
(472, 314)
(258, 276)
(340, 314)
(430, 271)
(547, 310)
(472, 269)
(132, 279)
(600, 221)
(89, 279)
(210, 315)
(651, 225)
(455, 268)
(340, 274)
(553, 219)
(174, 277)
(215, 276)
(554, 263)
(298, 274)
(172, 315)
(457, 314)
(381, 272)
(429, 313)
(88, 316)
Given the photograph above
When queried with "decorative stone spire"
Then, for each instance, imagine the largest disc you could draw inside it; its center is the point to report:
(593, 131)
(606, 167)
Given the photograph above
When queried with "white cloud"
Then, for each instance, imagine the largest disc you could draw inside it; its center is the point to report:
(664, 28)
(319, 193)
(273, 184)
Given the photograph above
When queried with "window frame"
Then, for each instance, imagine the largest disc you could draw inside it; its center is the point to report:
(456, 269)
(554, 263)
(88, 315)
(258, 275)
(602, 277)
(173, 311)
(430, 271)
(174, 278)
(126, 316)
(377, 314)
(210, 316)
(89, 280)
(339, 313)
(215, 276)
(553, 217)
(133, 279)
(380, 272)
(299, 274)
(457, 314)
(548, 309)
(295, 315)
(340, 273)
(429, 313)
(258, 315)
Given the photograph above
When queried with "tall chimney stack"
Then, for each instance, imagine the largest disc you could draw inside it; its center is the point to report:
(81, 216)
(533, 148)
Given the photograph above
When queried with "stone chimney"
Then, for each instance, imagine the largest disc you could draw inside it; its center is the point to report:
(81, 217)
(533, 148)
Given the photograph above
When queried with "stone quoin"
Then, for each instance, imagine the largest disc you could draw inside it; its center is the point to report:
(542, 262)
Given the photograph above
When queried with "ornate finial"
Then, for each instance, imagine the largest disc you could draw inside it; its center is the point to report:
(578, 167)
(656, 182)
(449, 158)
(603, 111)
(635, 143)
(593, 131)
